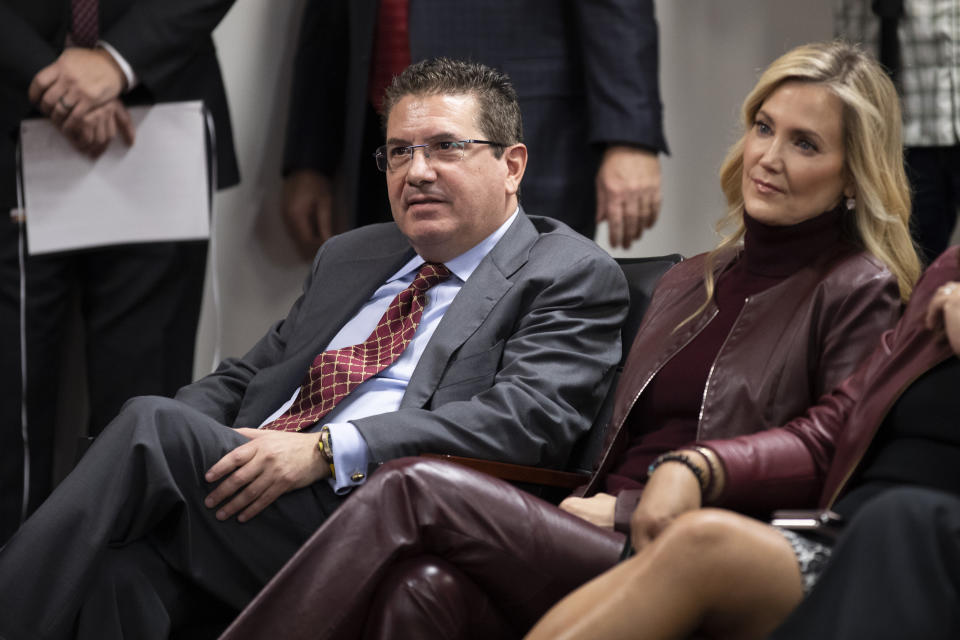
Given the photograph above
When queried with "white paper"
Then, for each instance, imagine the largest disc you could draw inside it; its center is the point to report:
(154, 190)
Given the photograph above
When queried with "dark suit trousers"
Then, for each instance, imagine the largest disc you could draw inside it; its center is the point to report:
(121, 546)
(894, 574)
(437, 550)
(139, 306)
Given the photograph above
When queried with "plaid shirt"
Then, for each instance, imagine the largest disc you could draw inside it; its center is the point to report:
(929, 34)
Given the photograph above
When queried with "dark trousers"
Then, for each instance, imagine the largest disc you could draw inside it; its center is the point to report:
(895, 573)
(124, 547)
(934, 174)
(139, 307)
(436, 550)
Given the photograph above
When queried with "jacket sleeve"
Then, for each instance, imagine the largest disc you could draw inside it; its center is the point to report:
(619, 42)
(785, 466)
(23, 52)
(220, 394)
(557, 363)
(317, 102)
(158, 37)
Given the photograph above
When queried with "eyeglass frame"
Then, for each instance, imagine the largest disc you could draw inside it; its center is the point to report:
(381, 152)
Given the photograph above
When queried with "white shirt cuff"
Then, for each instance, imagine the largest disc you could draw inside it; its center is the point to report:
(121, 62)
(350, 457)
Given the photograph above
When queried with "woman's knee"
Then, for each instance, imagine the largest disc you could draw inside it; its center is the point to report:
(430, 598)
(701, 532)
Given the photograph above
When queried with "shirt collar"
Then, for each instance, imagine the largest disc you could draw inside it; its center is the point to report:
(466, 263)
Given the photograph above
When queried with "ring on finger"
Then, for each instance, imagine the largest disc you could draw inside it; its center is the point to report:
(947, 289)
(63, 103)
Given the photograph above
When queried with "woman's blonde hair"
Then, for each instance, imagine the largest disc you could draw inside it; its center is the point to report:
(873, 154)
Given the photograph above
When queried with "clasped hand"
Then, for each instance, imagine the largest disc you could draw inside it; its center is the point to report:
(259, 471)
(79, 93)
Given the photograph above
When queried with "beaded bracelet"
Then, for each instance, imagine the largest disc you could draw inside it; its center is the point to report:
(715, 486)
(683, 459)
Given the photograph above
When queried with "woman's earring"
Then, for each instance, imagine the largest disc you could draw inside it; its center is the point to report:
(851, 203)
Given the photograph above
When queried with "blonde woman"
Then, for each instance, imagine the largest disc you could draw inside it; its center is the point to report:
(736, 346)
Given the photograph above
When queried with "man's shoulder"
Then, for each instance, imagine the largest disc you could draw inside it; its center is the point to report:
(554, 238)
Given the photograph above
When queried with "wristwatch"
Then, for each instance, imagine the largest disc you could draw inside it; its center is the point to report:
(325, 444)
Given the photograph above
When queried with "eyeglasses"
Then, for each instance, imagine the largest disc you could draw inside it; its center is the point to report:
(393, 157)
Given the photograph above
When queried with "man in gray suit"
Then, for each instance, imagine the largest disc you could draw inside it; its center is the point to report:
(510, 358)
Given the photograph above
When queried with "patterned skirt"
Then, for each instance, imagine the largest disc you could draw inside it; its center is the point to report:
(812, 556)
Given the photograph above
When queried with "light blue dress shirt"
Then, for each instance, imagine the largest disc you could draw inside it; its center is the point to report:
(383, 392)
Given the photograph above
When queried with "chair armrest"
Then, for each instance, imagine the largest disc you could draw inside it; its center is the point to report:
(518, 472)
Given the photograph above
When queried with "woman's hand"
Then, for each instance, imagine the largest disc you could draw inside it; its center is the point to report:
(671, 491)
(599, 509)
(944, 311)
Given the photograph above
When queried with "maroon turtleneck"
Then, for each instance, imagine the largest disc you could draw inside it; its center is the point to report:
(666, 415)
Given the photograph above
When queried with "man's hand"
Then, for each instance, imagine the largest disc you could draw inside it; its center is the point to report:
(671, 490)
(599, 509)
(307, 210)
(628, 192)
(258, 472)
(78, 82)
(944, 311)
(94, 132)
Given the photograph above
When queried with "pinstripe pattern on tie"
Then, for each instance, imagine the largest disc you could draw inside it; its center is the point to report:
(85, 27)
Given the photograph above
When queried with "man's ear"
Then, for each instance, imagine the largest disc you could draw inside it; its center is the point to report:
(516, 159)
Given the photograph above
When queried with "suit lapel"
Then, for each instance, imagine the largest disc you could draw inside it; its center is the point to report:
(347, 287)
(471, 308)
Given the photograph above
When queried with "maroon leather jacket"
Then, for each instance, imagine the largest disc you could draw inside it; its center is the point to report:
(859, 405)
(791, 344)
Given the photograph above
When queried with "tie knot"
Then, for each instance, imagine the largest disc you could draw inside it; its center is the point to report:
(430, 273)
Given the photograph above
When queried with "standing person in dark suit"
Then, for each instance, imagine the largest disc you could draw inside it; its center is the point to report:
(513, 342)
(586, 74)
(140, 302)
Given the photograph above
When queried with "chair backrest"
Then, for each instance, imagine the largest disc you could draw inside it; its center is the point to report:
(642, 274)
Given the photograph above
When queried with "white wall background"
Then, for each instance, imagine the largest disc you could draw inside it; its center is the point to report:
(711, 52)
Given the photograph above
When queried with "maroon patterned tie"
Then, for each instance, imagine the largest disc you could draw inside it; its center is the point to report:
(335, 373)
(85, 28)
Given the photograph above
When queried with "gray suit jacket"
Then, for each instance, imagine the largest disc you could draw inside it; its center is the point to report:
(515, 371)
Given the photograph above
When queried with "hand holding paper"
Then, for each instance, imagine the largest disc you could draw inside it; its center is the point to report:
(153, 191)
(79, 81)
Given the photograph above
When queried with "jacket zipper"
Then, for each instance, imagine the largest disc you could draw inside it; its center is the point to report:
(713, 365)
(650, 377)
